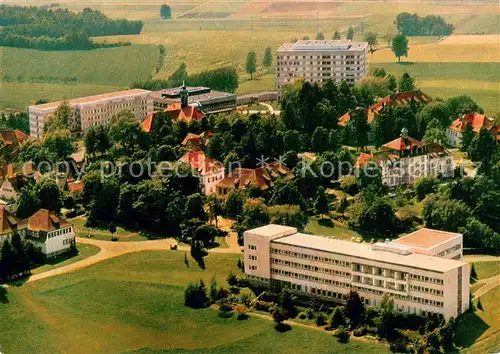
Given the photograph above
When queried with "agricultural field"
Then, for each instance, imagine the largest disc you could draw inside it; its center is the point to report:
(452, 67)
(135, 303)
(34, 74)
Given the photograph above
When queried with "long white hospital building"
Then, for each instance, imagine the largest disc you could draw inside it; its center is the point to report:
(423, 271)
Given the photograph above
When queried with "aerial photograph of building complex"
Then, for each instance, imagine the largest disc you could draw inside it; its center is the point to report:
(249, 176)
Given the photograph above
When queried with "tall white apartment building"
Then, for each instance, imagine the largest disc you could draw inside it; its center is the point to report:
(318, 61)
(93, 110)
(417, 270)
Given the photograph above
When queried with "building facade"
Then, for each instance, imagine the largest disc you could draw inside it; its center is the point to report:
(93, 110)
(51, 233)
(329, 268)
(477, 122)
(404, 160)
(318, 61)
(210, 171)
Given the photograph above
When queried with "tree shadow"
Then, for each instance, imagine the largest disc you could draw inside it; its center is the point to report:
(282, 327)
(469, 327)
(406, 63)
(3, 295)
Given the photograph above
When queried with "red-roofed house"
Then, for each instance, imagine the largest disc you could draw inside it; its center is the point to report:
(396, 99)
(477, 120)
(10, 143)
(262, 177)
(186, 113)
(194, 141)
(405, 159)
(210, 171)
(51, 233)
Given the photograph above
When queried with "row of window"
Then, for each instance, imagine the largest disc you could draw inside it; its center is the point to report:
(427, 279)
(59, 232)
(69, 241)
(252, 247)
(427, 301)
(321, 57)
(309, 278)
(311, 257)
(450, 250)
(252, 257)
(215, 178)
(311, 268)
(422, 289)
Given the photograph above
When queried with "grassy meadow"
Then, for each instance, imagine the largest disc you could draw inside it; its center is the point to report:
(135, 303)
(41, 74)
(207, 34)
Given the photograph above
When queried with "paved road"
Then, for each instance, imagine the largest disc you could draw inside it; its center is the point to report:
(111, 249)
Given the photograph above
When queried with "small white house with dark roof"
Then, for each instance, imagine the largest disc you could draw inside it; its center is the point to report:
(51, 233)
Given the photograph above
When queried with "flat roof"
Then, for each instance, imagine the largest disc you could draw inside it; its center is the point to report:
(426, 238)
(195, 94)
(93, 99)
(359, 250)
(273, 230)
(322, 45)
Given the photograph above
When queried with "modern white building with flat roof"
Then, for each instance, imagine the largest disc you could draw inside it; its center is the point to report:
(93, 110)
(318, 61)
(409, 269)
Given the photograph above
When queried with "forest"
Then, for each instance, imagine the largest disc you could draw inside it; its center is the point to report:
(60, 29)
(414, 25)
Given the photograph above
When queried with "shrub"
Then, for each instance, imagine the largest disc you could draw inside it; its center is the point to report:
(359, 332)
(241, 312)
(338, 317)
(320, 319)
(195, 295)
(263, 305)
(342, 335)
(302, 315)
(245, 299)
(231, 279)
(310, 314)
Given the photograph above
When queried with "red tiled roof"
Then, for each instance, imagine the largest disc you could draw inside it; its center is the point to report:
(475, 119)
(186, 114)
(392, 100)
(203, 164)
(147, 125)
(75, 186)
(44, 220)
(7, 221)
(362, 160)
(11, 136)
(197, 139)
(262, 177)
(401, 144)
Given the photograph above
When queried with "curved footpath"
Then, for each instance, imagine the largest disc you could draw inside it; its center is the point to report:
(110, 249)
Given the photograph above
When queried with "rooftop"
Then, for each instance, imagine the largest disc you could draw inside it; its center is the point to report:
(273, 230)
(195, 94)
(359, 250)
(323, 45)
(93, 99)
(45, 220)
(426, 238)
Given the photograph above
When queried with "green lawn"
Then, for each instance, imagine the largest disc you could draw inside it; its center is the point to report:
(84, 251)
(97, 71)
(339, 232)
(479, 331)
(135, 302)
(104, 234)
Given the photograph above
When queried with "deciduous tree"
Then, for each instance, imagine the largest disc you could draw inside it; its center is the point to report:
(400, 46)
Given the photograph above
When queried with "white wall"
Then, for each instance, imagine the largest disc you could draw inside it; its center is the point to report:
(58, 244)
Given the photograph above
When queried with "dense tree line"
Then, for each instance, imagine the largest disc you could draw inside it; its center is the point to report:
(60, 29)
(16, 121)
(430, 25)
(222, 79)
